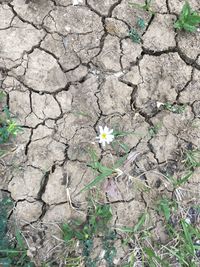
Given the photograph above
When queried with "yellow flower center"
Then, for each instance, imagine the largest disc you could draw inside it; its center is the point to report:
(103, 135)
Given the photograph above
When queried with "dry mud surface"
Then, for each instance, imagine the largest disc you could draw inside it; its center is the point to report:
(69, 68)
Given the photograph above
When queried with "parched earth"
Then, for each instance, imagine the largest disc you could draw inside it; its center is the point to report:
(67, 68)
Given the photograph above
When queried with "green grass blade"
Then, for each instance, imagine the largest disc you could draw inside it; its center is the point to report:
(20, 241)
(193, 20)
(97, 180)
(140, 223)
(125, 229)
(120, 162)
(187, 236)
(189, 27)
(164, 206)
(185, 11)
(184, 179)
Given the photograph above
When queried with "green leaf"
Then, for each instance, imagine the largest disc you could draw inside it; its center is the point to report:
(20, 241)
(185, 11)
(188, 20)
(2, 95)
(184, 179)
(7, 112)
(193, 20)
(187, 236)
(189, 28)
(152, 255)
(5, 262)
(140, 223)
(118, 133)
(120, 161)
(141, 23)
(126, 229)
(178, 25)
(68, 233)
(97, 180)
(164, 206)
(125, 147)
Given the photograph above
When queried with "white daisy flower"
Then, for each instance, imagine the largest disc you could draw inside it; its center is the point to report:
(105, 136)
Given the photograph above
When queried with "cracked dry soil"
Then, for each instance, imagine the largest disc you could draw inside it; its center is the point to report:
(66, 69)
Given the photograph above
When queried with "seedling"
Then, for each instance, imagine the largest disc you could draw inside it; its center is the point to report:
(182, 246)
(73, 262)
(2, 95)
(141, 23)
(139, 238)
(192, 159)
(118, 144)
(103, 170)
(98, 217)
(8, 127)
(165, 206)
(85, 232)
(153, 130)
(137, 228)
(188, 20)
(11, 254)
(134, 35)
(146, 6)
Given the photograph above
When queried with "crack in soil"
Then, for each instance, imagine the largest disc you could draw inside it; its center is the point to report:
(101, 76)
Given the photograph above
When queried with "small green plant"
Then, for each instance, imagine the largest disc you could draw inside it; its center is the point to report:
(174, 108)
(8, 127)
(192, 159)
(85, 232)
(188, 20)
(153, 130)
(117, 144)
(141, 23)
(103, 170)
(15, 253)
(134, 35)
(2, 95)
(98, 217)
(139, 237)
(73, 262)
(183, 235)
(181, 246)
(146, 6)
(181, 180)
(165, 207)
(137, 228)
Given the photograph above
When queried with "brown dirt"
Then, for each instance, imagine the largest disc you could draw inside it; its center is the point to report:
(69, 68)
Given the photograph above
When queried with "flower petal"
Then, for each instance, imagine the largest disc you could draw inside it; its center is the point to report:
(100, 129)
(103, 143)
(106, 130)
(110, 137)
